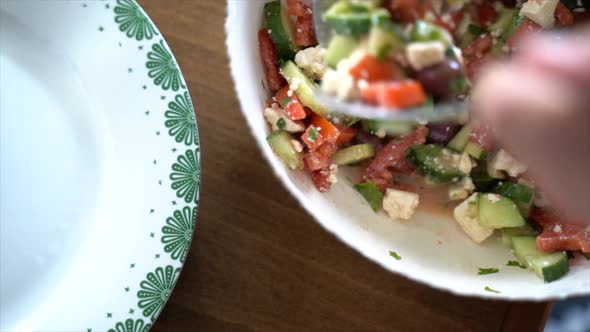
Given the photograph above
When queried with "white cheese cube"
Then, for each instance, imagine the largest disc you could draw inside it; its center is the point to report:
(423, 54)
(462, 189)
(466, 216)
(503, 161)
(311, 61)
(274, 114)
(400, 204)
(541, 12)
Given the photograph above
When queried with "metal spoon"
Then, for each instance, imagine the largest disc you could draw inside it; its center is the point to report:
(439, 112)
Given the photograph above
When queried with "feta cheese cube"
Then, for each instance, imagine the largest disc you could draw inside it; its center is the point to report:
(462, 189)
(503, 161)
(466, 215)
(273, 115)
(423, 54)
(540, 11)
(400, 204)
(333, 171)
(311, 61)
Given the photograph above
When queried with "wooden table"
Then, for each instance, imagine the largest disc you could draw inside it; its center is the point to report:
(258, 261)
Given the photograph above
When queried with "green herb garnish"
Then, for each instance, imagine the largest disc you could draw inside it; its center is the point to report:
(313, 134)
(487, 288)
(371, 193)
(475, 30)
(285, 101)
(395, 255)
(515, 263)
(281, 123)
(487, 271)
(458, 85)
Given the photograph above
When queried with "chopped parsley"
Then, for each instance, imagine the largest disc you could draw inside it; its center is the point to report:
(371, 193)
(515, 263)
(285, 101)
(458, 85)
(487, 271)
(313, 134)
(281, 123)
(395, 255)
(487, 288)
(475, 30)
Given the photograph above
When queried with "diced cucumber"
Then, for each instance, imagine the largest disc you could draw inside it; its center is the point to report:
(525, 250)
(520, 194)
(515, 21)
(548, 266)
(552, 266)
(475, 150)
(437, 163)
(496, 211)
(353, 154)
(390, 127)
(492, 171)
(473, 31)
(340, 47)
(385, 39)
(304, 88)
(460, 140)
(279, 25)
(280, 142)
(503, 22)
(371, 194)
(348, 20)
(509, 233)
(425, 31)
(482, 180)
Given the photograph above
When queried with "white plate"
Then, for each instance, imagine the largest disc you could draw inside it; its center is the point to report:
(433, 250)
(100, 167)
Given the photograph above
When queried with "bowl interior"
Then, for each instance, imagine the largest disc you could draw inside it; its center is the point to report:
(433, 249)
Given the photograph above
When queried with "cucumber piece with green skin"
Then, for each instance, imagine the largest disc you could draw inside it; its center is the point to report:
(548, 266)
(482, 180)
(503, 21)
(515, 21)
(279, 26)
(353, 154)
(475, 150)
(340, 47)
(280, 143)
(304, 88)
(473, 31)
(496, 211)
(520, 194)
(461, 139)
(424, 31)
(435, 162)
(552, 266)
(346, 21)
(390, 127)
(384, 39)
(509, 233)
(371, 194)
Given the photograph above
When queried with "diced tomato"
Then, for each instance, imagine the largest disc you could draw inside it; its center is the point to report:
(486, 14)
(269, 102)
(455, 19)
(346, 134)
(560, 234)
(563, 16)
(268, 54)
(480, 46)
(371, 69)
(407, 10)
(328, 131)
(474, 66)
(525, 28)
(394, 94)
(312, 137)
(297, 8)
(391, 156)
(304, 32)
(320, 157)
(321, 179)
(582, 17)
(292, 105)
(482, 135)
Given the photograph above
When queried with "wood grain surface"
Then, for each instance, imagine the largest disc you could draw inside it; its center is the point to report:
(258, 261)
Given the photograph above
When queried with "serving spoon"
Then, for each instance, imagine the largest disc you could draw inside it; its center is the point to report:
(437, 112)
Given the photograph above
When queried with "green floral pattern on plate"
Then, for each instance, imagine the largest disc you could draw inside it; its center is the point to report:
(155, 290)
(133, 21)
(180, 120)
(186, 176)
(178, 232)
(163, 69)
(131, 325)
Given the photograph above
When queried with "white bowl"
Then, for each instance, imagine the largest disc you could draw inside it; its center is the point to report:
(434, 250)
